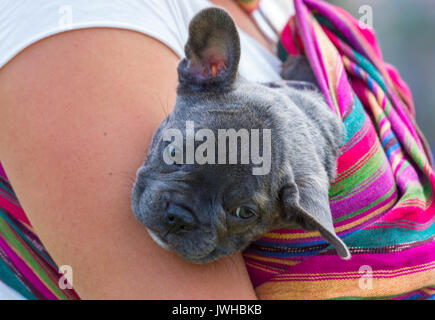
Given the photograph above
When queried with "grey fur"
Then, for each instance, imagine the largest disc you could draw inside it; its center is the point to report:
(306, 136)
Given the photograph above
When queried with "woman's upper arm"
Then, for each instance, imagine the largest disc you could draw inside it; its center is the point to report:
(78, 110)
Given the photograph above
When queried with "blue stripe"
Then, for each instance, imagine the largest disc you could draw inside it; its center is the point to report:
(392, 148)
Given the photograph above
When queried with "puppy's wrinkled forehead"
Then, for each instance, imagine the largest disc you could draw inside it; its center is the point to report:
(231, 138)
(227, 110)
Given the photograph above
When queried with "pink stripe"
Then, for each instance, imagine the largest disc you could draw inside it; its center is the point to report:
(2, 172)
(403, 224)
(287, 41)
(14, 210)
(402, 87)
(344, 91)
(410, 213)
(347, 161)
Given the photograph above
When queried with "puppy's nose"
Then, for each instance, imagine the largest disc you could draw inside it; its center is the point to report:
(179, 219)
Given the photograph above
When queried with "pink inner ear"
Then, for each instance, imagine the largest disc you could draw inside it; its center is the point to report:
(213, 62)
(217, 68)
(210, 65)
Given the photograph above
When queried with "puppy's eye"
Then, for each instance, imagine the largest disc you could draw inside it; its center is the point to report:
(173, 155)
(243, 212)
(172, 151)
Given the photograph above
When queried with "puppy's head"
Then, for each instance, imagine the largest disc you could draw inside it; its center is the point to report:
(217, 175)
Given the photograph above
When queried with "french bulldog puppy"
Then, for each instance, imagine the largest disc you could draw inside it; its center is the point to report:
(217, 204)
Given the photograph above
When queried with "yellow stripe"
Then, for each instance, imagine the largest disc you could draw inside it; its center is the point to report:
(330, 58)
(275, 260)
(428, 290)
(329, 289)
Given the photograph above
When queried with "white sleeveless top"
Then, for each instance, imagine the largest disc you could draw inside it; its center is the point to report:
(25, 22)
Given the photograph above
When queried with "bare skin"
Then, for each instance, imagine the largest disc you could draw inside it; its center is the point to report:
(78, 110)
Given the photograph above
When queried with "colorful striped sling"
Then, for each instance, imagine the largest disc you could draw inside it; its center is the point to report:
(25, 265)
(381, 199)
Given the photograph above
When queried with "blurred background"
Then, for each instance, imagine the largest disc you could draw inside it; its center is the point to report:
(406, 35)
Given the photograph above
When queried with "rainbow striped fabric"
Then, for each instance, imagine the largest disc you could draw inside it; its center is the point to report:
(25, 265)
(382, 198)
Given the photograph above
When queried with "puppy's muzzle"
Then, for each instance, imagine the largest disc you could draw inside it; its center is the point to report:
(179, 220)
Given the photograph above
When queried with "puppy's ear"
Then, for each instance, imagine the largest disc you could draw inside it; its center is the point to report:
(306, 203)
(212, 52)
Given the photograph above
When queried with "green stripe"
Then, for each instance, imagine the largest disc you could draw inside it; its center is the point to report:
(7, 234)
(368, 67)
(388, 236)
(25, 238)
(387, 108)
(373, 164)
